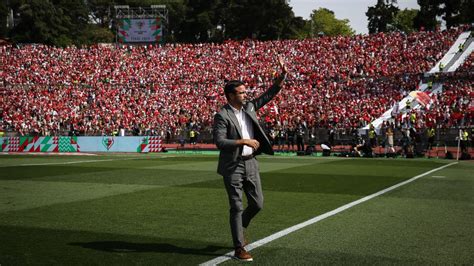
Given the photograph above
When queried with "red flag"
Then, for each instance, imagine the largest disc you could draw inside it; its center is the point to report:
(421, 97)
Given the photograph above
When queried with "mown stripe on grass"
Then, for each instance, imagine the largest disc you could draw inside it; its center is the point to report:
(70, 162)
(318, 218)
(21, 195)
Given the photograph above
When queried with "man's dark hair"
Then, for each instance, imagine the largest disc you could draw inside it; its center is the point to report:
(230, 87)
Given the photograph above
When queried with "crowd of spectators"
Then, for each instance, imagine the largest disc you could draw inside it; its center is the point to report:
(453, 106)
(342, 82)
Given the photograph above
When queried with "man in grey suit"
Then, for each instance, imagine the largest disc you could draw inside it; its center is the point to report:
(239, 137)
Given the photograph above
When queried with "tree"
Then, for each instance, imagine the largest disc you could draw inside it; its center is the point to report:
(301, 28)
(100, 12)
(404, 20)
(199, 21)
(54, 22)
(453, 12)
(176, 13)
(450, 11)
(42, 22)
(466, 12)
(278, 22)
(65, 22)
(381, 16)
(264, 19)
(93, 33)
(323, 21)
(3, 19)
(426, 18)
(76, 18)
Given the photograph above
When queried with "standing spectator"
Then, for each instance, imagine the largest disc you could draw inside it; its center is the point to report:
(331, 136)
(193, 136)
(431, 137)
(464, 140)
(300, 132)
(390, 142)
(405, 143)
(281, 138)
(372, 136)
(290, 137)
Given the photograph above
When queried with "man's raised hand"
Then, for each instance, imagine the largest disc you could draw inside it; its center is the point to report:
(281, 62)
(284, 70)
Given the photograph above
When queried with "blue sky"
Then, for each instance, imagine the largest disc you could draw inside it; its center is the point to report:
(354, 10)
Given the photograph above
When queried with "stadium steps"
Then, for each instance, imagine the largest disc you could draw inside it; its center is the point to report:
(452, 60)
(459, 57)
(455, 62)
(453, 50)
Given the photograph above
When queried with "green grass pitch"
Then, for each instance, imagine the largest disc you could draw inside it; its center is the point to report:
(171, 209)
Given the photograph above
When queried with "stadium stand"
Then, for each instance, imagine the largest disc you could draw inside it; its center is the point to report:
(335, 82)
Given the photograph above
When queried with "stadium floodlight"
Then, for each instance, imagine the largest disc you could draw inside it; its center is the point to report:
(158, 6)
(121, 7)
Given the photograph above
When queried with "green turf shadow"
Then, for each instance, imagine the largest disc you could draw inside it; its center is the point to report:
(350, 176)
(32, 172)
(315, 183)
(25, 246)
(132, 247)
(157, 177)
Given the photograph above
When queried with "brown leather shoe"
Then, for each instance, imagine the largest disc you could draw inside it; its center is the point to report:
(242, 254)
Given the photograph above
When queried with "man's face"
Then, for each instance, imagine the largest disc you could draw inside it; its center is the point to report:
(238, 97)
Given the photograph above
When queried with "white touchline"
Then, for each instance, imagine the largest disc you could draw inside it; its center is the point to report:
(86, 161)
(318, 218)
(72, 162)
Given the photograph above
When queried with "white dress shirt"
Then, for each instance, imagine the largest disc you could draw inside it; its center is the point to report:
(246, 127)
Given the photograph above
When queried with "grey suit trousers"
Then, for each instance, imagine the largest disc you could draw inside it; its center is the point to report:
(245, 178)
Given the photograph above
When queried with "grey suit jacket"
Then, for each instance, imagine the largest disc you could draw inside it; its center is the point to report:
(227, 130)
